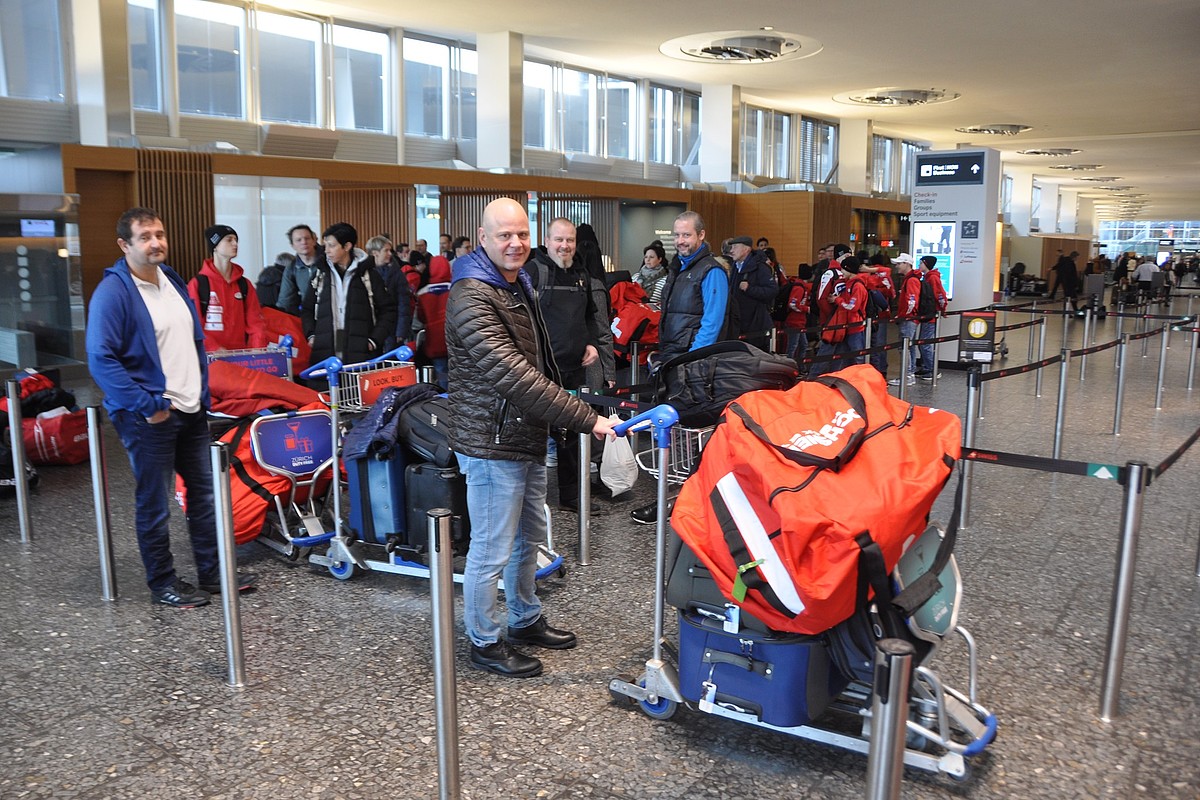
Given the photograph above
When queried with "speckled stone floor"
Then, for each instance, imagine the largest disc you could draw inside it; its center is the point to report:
(128, 700)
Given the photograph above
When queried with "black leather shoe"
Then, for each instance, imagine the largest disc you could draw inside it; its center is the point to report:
(572, 505)
(181, 594)
(500, 658)
(245, 581)
(540, 634)
(648, 514)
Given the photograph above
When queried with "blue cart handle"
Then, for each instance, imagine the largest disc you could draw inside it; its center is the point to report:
(330, 367)
(401, 353)
(285, 343)
(661, 417)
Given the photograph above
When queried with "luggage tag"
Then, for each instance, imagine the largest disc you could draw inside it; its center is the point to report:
(739, 586)
(733, 618)
(710, 694)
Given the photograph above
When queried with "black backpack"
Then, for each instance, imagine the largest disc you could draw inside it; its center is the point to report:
(700, 383)
(927, 307)
(424, 430)
(204, 291)
(779, 308)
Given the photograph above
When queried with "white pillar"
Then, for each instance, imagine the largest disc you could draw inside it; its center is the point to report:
(100, 70)
(1022, 199)
(500, 101)
(721, 122)
(854, 155)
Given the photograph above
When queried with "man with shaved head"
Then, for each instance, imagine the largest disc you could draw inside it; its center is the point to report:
(506, 394)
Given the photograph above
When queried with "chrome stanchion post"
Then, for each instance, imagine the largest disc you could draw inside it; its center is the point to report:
(1162, 366)
(1060, 414)
(634, 364)
(1066, 318)
(425, 374)
(905, 365)
(982, 392)
(585, 498)
(1032, 317)
(1192, 353)
(17, 443)
(1121, 349)
(108, 575)
(937, 333)
(445, 691)
(1087, 336)
(889, 714)
(1120, 320)
(1145, 325)
(227, 558)
(1037, 387)
(1137, 475)
(968, 466)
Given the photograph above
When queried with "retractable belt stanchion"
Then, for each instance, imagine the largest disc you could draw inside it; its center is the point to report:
(1192, 354)
(108, 575)
(1087, 340)
(1066, 318)
(1060, 414)
(1121, 349)
(1162, 366)
(982, 394)
(227, 558)
(17, 443)
(1137, 476)
(585, 498)
(425, 374)
(445, 692)
(1197, 546)
(634, 364)
(889, 713)
(937, 334)
(1033, 318)
(905, 366)
(1143, 325)
(968, 466)
(1037, 384)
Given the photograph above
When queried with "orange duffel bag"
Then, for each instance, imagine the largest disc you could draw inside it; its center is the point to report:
(790, 480)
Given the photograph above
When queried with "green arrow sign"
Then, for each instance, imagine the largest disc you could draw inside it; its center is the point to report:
(1106, 472)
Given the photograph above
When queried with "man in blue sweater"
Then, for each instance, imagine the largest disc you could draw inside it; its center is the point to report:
(145, 351)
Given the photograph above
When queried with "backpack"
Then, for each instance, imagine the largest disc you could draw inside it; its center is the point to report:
(700, 383)
(877, 303)
(787, 494)
(423, 429)
(927, 307)
(779, 307)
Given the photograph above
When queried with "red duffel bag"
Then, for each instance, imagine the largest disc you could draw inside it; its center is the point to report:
(56, 437)
(790, 481)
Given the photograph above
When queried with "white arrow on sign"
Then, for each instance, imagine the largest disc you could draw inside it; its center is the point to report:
(975, 168)
(1104, 474)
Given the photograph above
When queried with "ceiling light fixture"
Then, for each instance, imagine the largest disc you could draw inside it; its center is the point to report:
(1097, 179)
(741, 47)
(1079, 167)
(1053, 151)
(895, 97)
(996, 129)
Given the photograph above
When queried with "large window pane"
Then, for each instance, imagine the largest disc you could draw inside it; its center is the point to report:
(781, 145)
(881, 163)
(468, 70)
(144, 54)
(539, 105)
(360, 72)
(579, 111)
(689, 130)
(753, 133)
(32, 55)
(621, 117)
(289, 53)
(209, 46)
(426, 87)
(662, 124)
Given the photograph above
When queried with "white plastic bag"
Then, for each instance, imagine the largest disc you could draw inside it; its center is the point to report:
(618, 468)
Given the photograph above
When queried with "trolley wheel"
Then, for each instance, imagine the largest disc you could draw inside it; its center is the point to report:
(663, 709)
(342, 570)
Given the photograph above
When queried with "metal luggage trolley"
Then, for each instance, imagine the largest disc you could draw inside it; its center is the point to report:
(944, 726)
(352, 389)
(274, 359)
(682, 456)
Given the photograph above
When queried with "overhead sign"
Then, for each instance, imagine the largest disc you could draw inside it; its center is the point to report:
(951, 169)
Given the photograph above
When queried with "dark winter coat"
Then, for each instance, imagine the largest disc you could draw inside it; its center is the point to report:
(753, 303)
(370, 317)
(499, 355)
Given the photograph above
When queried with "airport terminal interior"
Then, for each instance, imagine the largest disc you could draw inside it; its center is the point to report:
(801, 123)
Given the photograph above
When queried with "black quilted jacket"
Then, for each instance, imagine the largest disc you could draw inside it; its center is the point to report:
(503, 403)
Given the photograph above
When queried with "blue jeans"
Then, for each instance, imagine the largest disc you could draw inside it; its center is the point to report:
(928, 331)
(506, 501)
(797, 344)
(879, 337)
(850, 344)
(179, 444)
(908, 329)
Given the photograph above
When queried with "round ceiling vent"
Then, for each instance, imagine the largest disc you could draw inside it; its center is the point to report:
(1053, 151)
(893, 97)
(1079, 167)
(996, 129)
(741, 47)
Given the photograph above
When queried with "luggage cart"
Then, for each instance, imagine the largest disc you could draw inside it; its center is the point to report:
(352, 388)
(944, 727)
(274, 359)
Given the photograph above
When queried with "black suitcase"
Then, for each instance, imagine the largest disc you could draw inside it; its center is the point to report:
(422, 428)
(691, 588)
(430, 486)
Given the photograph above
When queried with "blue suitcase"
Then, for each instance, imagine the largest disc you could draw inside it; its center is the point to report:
(378, 513)
(784, 679)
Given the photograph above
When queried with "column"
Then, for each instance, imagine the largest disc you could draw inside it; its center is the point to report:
(500, 101)
(854, 155)
(721, 122)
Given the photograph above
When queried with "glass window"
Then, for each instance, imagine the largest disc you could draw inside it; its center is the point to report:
(209, 42)
(621, 117)
(781, 145)
(289, 63)
(752, 144)
(818, 151)
(881, 163)
(539, 105)
(662, 124)
(689, 129)
(467, 73)
(766, 143)
(31, 63)
(580, 114)
(426, 87)
(360, 86)
(908, 160)
(142, 18)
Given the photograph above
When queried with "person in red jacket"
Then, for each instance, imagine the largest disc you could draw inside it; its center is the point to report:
(431, 312)
(796, 321)
(878, 277)
(225, 299)
(846, 330)
(930, 274)
(906, 312)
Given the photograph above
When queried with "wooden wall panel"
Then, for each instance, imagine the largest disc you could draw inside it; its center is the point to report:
(372, 210)
(717, 210)
(179, 186)
(462, 209)
(831, 219)
(1050, 253)
(104, 196)
(785, 218)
